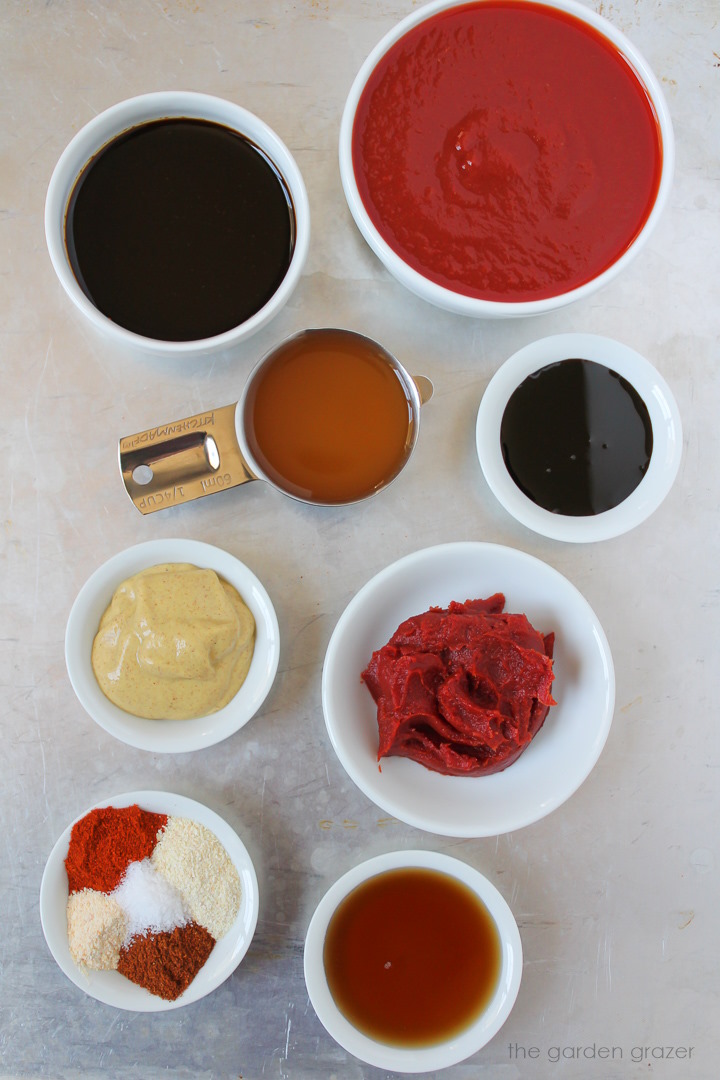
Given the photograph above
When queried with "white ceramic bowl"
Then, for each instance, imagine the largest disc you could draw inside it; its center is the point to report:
(170, 736)
(442, 1055)
(109, 986)
(128, 114)
(562, 753)
(664, 417)
(446, 298)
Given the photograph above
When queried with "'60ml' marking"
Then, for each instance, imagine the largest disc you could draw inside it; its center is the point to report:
(215, 483)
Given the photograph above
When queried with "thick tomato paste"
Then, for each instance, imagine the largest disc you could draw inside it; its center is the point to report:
(462, 690)
(506, 150)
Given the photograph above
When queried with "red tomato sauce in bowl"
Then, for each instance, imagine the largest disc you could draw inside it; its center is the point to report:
(506, 150)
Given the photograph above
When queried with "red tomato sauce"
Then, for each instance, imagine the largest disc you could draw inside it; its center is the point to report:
(506, 151)
(462, 690)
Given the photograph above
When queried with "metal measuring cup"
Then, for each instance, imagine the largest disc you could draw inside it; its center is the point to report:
(203, 454)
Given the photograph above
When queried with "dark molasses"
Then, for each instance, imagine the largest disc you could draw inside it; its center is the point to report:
(576, 437)
(180, 229)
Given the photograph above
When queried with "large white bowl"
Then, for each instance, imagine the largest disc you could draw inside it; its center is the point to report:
(664, 417)
(560, 756)
(170, 736)
(457, 302)
(128, 114)
(111, 987)
(442, 1055)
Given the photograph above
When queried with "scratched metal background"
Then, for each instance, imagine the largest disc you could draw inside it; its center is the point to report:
(616, 892)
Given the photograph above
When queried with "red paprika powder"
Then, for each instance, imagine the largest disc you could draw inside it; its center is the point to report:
(106, 841)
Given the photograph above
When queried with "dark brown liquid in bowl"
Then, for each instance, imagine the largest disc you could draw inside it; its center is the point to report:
(576, 437)
(180, 229)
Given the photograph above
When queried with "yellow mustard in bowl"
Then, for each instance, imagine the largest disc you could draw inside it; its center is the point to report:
(175, 643)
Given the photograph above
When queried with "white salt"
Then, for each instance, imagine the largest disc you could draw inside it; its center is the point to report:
(149, 900)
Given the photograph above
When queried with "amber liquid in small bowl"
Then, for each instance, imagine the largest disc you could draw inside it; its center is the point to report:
(412, 957)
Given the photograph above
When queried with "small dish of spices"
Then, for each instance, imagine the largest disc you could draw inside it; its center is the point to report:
(579, 437)
(172, 645)
(413, 961)
(149, 901)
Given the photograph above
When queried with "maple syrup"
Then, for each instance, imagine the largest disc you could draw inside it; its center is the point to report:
(412, 957)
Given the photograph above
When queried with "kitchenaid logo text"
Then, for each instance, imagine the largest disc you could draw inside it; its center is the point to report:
(180, 427)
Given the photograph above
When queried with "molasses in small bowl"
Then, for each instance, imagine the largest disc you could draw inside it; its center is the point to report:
(177, 223)
(579, 437)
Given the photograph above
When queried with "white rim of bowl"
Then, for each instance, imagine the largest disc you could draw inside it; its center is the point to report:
(416, 565)
(474, 306)
(156, 106)
(664, 417)
(170, 736)
(415, 1059)
(55, 878)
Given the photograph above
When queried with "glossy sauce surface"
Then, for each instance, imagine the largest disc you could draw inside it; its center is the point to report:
(179, 229)
(327, 418)
(412, 957)
(576, 437)
(506, 151)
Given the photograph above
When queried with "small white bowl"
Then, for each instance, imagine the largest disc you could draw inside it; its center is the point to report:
(664, 417)
(457, 302)
(111, 987)
(170, 736)
(563, 752)
(129, 114)
(442, 1055)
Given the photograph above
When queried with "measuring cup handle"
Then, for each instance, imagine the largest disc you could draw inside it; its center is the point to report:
(183, 460)
(425, 388)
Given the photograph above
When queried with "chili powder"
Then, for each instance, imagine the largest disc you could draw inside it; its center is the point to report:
(104, 843)
(167, 962)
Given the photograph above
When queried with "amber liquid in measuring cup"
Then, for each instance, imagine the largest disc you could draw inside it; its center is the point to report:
(328, 418)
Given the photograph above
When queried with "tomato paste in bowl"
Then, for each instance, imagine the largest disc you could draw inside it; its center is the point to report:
(504, 158)
(462, 690)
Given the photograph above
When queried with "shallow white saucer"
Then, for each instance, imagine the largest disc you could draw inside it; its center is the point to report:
(109, 986)
(664, 417)
(562, 753)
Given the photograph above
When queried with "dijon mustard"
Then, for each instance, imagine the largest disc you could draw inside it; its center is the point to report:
(176, 642)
